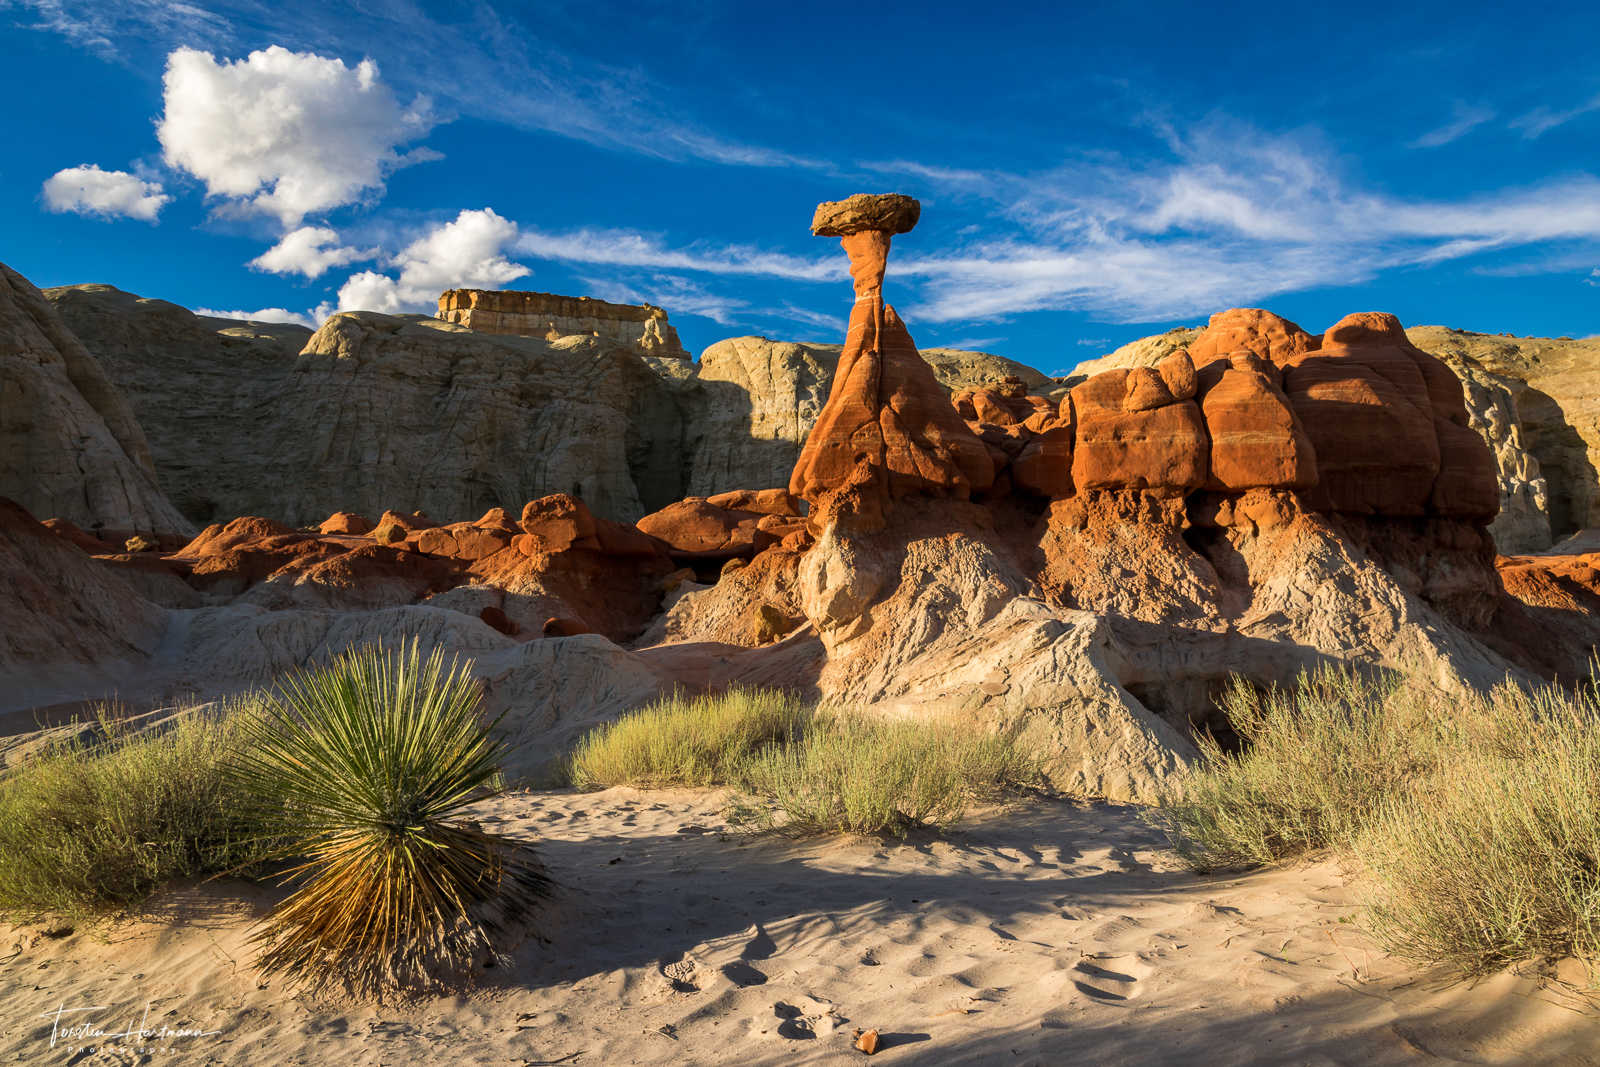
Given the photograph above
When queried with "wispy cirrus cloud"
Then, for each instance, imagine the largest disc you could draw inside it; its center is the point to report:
(630, 248)
(515, 66)
(1237, 216)
(1233, 216)
(1467, 118)
(1543, 119)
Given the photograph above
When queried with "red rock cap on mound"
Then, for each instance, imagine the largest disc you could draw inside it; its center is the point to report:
(346, 522)
(1133, 433)
(1261, 333)
(885, 410)
(1365, 403)
(1389, 423)
(883, 212)
(216, 539)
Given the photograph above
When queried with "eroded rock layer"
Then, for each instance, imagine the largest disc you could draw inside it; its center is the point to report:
(643, 326)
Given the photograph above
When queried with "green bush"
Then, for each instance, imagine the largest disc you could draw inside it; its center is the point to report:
(361, 774)
(686, 742)
(106, 817)
(1471, 819)
(855, 772)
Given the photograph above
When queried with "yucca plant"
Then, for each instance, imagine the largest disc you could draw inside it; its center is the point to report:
(360, 773)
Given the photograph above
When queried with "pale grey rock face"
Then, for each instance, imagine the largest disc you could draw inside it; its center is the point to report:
(394, 412)
(70, 445)
(198, 386)
(754, 402)
(376, 412)
(1551, 426)
(958, 369)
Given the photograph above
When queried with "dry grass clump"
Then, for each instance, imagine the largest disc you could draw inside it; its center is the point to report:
(1495, 856)
(686, 742)
(795, 770)
(361, 774)
(106, 816)
(1318, 759)
(1472, 818)
(853, 772)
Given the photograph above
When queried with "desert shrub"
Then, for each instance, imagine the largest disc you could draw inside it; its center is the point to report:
(1471, 819)
(1317, 760)
(793, 769)
(105, 816)
(854, 772)
(361, 773)
(686, 742)
(1495, 856)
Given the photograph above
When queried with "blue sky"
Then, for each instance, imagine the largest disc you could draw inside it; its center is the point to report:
(1089, 173)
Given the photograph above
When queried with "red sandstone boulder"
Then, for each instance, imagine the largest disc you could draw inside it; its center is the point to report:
(1364, 403)
(773, 529)
(559, 522)
(1044, 467)
(1133, 433)
(406, 521)
(497, 519)
(696, 528)
(499, 620)
(217, 538)
(1261, 333)
(462, 540)
(565, 628)
(1257, 441)
(760, 501)
(620, 539)
(346, 522)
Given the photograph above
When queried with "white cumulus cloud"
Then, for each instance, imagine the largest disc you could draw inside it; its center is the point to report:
(309, 319)
(88, 190)
(467, 253)
(286, 133)
(310, 250)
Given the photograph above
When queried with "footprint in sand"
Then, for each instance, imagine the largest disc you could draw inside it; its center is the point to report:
(687, 974)
(1109, 980)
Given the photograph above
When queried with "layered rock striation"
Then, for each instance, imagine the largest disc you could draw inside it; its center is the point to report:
(70, 444)
(641, 326)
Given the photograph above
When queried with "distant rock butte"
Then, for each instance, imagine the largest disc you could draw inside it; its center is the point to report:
(523, 314)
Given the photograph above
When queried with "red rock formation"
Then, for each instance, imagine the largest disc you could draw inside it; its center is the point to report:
(462, 540)
(1134, 433)
(59, 608)
(697, 529)
(1364, 403)
(499, 620)
(885, 407)
(346, 522)
(760, 501)
(406, 521)
(558, 521)
(218, 538)
(1257, 440)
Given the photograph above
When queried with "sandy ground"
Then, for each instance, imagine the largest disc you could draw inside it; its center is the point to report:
(1050, 933)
